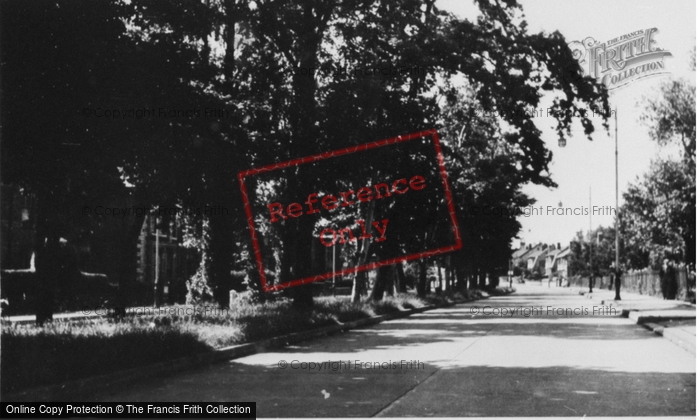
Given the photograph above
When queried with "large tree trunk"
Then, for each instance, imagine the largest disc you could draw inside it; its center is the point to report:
(448, 274)
(359, 283)
(422, 278)
(390, 284)
(127, 258)
(400, 279)
(383, 283)
(303, 259)
(46, 260)
(461, 275)
(473, 280)
(494, 281)
(359, 286)
(220, 250)
(47, 269)
(303, 117)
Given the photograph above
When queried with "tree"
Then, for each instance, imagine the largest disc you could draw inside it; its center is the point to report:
(507, 68)
(247, 58)
(49, 139)
(659, 212)
(486, 182)
(197, 159)
(143, 75)
(670, 118)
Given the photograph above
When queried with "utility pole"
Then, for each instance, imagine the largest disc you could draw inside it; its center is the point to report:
(617, 273)
(156, 286)
(590, 240)
(333, 282)
(334, 245)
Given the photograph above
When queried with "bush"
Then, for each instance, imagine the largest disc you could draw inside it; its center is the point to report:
(198, 290)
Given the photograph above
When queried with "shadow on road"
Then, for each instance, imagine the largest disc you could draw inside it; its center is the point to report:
(453, 362)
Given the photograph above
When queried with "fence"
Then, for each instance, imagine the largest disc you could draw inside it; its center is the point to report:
(648, 282)
(643, 282)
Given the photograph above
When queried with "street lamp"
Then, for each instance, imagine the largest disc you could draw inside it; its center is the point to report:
(590, 240)
(618, 273)
(156, 284)
(617, 233)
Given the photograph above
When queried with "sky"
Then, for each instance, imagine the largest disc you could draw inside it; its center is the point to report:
(583, 164)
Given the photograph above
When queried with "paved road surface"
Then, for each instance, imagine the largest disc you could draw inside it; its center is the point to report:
(459, 361)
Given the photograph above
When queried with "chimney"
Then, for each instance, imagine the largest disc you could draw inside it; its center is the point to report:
(529, 247)
(522, 244)
(558, 245)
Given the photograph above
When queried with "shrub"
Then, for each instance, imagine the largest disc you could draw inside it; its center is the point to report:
(198, 290)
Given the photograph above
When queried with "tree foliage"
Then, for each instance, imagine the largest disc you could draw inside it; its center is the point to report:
(254, 60)
(658, 217)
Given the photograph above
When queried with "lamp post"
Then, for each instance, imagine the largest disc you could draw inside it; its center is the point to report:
(156, 283)
(590, 241)
(618, 273)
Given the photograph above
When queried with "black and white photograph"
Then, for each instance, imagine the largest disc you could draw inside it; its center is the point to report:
(347, 208)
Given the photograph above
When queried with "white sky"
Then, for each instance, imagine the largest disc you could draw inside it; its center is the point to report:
(582, 163)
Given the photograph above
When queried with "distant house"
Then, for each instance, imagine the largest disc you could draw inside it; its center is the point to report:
(96, 252)
(526, 255)
(551, 260)
(536, 257)
(562, 263)
(175, 262)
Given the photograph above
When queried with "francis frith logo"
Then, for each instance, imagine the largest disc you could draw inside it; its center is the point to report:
(622, 60)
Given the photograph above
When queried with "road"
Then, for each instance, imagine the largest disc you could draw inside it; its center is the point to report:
(465, 360)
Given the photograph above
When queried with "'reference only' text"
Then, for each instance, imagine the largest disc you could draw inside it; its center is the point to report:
(329, 202)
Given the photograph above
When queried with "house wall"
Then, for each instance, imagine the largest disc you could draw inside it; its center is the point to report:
(176, 263)
(563, 267)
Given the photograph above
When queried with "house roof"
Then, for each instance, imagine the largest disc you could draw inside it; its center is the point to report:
(537, 251)
(535, 254)
(564, 253)
(518, 253)
(527, 254)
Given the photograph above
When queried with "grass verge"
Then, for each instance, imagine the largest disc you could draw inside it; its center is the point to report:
(34, 356)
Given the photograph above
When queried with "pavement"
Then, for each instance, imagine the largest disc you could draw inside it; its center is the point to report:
(671, 319)
(538, 352)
